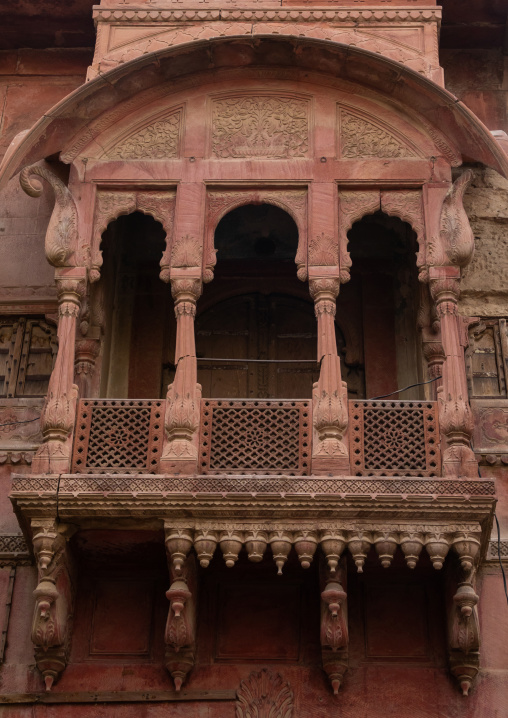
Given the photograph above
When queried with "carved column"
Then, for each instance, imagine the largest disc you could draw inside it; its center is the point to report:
(183, 406)
(330, 453)
(180, 634)
(334, 626)
(87, 351)
(53, 598)
(58, 415)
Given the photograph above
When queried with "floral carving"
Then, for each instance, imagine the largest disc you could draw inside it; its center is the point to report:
(180, 634)
(186, 252)
(456, 234)
(157, 141)
(362, 138)
(260, 126)
(264, 695)
(62, 231)
(323, 250)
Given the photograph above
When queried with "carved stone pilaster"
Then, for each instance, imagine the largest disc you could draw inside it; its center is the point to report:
(62, 231)
(58, 414)
(334, 634)
(180, 633)
(53, 598)
(330, 412)
(87, 351)
(183, 407)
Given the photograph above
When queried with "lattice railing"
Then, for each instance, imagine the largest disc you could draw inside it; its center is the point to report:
(394, 438)
(119, 436)
(255, 437)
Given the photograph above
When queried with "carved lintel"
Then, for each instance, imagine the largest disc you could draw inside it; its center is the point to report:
(53, 598)
(180, 633)
(62, 232)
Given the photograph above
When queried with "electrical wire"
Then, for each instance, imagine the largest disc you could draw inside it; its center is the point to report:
(399, 391)
(15, 423)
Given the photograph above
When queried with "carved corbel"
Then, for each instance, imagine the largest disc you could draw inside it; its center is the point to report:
(180, 634)
(256, 543)
(305, 546)
(62, 232)
(205, 543)
(332, 546)
(411, 543)
(463, 623)
(334, 634)
(178, 544)
(53, 598)
(437, 545)
(231, 543)
(280, 543)
(386, 545)
(359, 543)
(456, 235)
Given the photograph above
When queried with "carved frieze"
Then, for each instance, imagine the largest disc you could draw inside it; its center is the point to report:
(362, 138)
(260, 126)
(157, 141)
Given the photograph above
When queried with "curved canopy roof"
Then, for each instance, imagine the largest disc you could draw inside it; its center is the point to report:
(437, 107)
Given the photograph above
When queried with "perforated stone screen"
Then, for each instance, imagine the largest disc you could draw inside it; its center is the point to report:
(255, 437)
(118, 436)
(394, 438)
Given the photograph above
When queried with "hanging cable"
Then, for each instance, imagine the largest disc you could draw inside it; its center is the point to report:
(15, 423)
(399, 391)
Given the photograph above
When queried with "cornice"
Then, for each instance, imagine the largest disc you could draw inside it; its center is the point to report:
(348, 16)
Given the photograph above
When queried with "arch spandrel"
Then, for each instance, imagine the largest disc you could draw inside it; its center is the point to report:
(447, 121)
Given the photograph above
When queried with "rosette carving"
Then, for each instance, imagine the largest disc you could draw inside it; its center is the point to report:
(62, 232)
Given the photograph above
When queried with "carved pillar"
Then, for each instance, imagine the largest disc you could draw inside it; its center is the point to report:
(58, 415)
(183, 407)
(334, 627)
(455, 415)
(87, 351)
(53, 598)
(180, 634)
(330, 453)
(447, 256)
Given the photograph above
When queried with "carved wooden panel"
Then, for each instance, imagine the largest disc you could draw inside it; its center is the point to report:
(257, 624)
(255, 437)
(394, 438)
(118, 436)
(487, 358)
(260, 126)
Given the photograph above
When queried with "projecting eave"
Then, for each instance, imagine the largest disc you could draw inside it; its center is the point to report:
(438, 110)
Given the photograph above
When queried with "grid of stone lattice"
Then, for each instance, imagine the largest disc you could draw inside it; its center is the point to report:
(118, 436)
(394, 438)
(255, 437)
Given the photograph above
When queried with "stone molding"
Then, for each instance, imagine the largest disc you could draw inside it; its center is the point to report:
(493, 553)
(367, 16)
(13, 551)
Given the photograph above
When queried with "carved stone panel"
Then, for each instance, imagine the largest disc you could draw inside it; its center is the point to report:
(157, 141)
(490, 432)
(364, 138)
(264, 695)
(260, 126)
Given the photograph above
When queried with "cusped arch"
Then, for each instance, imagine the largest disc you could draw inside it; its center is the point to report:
(110, 205)
(219, 204)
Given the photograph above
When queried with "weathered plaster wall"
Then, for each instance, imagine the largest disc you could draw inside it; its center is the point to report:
(31, 82)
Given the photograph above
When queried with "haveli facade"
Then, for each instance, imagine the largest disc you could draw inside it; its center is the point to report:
(254, 361)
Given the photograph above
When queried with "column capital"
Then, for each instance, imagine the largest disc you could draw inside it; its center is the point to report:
(324, 288)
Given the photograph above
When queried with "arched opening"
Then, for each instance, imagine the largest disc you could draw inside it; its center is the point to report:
(137, 308)
(384, 282)
(257, 309)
